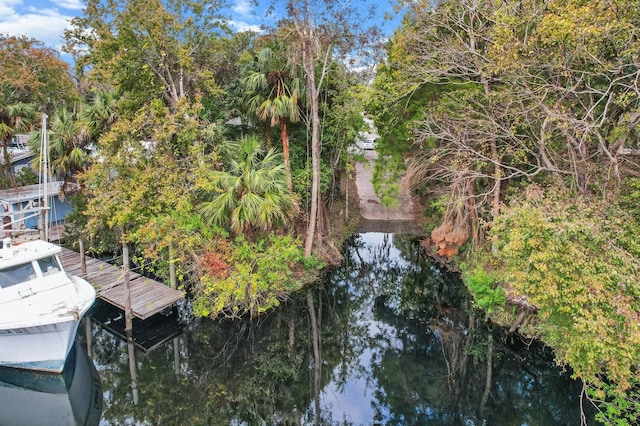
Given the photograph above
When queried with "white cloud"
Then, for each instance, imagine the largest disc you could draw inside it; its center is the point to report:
(243, 7)
(47, 28)
(241, 26)
(69, 4)
(7, 8)
(37, 21)
(245, 15)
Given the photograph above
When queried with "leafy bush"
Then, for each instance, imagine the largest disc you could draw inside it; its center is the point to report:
(484, 288)
(251, 277)
(25, 176)
(576, 259)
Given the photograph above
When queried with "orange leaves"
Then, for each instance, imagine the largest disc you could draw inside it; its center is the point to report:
(216, 264)
(36, 71)
(448, 238)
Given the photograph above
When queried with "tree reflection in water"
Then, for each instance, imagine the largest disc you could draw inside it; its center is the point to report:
(387, 337)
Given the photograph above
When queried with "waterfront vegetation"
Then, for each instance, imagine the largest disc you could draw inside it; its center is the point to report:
(227, 154)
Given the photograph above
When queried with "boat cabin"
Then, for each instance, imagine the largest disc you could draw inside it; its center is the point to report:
(26, 262)
(19, 208)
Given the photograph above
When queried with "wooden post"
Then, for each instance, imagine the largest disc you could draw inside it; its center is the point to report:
(133, 368)
(172, 269)
(128, 321)
(83, 259)
(128, 316)
(176, 355)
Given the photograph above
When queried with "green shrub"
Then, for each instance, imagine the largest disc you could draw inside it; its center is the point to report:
(487, 293)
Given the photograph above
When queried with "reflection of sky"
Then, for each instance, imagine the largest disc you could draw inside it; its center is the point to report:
(373, 240)
(353, 401)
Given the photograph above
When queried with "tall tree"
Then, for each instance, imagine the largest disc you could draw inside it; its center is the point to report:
(527, 90)
(144, 169)
(447, 45)
(148, 48)
(323, 31)
(274, 93)
(33, 73)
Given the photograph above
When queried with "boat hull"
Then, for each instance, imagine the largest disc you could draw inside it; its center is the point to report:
(33, 398)
(42, 348)
(40, 306)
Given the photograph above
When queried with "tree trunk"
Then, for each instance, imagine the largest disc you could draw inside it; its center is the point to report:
(315, 145)
(285, 152)
(518, 321)
(317, 361)
(489, 378)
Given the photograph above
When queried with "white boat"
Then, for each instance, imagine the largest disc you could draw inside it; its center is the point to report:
(32, 398)
(40, 306)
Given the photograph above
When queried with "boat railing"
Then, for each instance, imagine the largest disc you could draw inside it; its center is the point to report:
(20, 233)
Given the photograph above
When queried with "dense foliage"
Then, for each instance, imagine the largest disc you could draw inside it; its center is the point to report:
(577, 260)
(521, 121)
(33, 80)
(183, 118)
(244, 277)
(518, 121)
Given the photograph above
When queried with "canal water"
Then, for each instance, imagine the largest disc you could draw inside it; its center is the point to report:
(385, 338)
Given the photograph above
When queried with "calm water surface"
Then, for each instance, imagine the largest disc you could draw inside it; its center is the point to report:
(386, 338)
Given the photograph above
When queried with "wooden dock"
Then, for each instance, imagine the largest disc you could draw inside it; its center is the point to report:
(155, 331)
(148, 297)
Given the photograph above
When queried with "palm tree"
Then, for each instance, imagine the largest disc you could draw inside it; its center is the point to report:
(99, 114)
(14, 118)
(68, 151)
(253, 193)
(274, 97)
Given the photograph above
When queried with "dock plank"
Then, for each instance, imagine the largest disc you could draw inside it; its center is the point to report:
(148, 297)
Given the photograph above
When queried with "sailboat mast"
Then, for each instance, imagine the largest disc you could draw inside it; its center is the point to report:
(44, 151)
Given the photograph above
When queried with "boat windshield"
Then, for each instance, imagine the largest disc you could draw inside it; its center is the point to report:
(17, 274)
(49, 265)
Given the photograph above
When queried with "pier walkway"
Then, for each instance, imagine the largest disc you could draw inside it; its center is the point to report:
(148, 297)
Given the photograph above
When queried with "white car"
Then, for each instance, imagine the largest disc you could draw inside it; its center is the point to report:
(369, 144)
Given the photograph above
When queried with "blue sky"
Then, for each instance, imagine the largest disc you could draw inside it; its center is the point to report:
(41, 19)
(46, 20)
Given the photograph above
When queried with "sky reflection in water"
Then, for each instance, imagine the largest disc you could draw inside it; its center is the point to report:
(400, 344)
